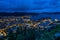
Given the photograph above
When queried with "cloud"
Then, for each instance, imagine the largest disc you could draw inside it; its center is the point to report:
(26, 5)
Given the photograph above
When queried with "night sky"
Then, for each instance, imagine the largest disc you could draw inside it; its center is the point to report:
(30, 5)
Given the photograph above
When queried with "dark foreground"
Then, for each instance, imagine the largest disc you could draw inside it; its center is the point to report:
(29, 27)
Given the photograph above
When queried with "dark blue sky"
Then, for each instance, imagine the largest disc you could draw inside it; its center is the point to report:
(30, 5)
